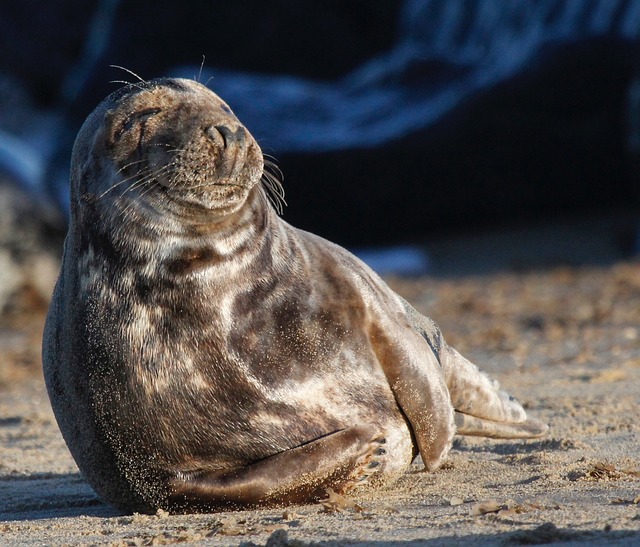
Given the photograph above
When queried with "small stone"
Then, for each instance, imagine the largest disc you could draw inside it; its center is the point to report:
(484, 507)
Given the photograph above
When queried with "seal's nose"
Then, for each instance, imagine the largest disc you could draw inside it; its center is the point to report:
(230, 137)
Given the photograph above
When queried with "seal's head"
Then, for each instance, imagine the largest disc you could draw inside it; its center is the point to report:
(169, 145)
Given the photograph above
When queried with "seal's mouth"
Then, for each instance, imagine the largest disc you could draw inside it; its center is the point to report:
(207, 159)
(202, 202)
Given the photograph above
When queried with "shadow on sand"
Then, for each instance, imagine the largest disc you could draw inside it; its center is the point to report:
(49, 495)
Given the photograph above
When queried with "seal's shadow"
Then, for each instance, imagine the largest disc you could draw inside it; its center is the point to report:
(49, 495)
(462, 444)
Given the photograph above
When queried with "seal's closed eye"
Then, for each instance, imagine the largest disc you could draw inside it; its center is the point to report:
(140, 116)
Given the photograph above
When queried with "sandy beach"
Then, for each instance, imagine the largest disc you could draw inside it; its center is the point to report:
(564, 341)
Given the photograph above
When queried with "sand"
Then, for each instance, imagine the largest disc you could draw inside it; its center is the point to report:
(565, 341)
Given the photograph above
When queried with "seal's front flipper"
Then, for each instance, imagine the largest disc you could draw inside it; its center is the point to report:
(474, 426)
(417, 382)
(299, 475)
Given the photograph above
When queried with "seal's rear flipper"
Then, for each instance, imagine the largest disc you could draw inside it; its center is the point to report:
(298, 475)
(482, 408)
(471, 425)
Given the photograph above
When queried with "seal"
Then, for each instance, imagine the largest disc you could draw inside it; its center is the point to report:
(202, 354)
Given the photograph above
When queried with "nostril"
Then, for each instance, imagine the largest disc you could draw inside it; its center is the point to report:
(217, 132)
(228, 136)
(240, 135)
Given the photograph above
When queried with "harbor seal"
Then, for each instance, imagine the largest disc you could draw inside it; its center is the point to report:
(202, 354)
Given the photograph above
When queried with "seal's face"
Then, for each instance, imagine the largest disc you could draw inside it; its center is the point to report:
(174, 144)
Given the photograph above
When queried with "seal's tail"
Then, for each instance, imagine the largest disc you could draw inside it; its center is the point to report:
(482, 408)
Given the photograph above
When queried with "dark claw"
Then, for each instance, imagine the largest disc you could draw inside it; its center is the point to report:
(373, 465)
(380, 452)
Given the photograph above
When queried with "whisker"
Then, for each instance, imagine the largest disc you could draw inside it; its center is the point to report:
(127, 83)
(139, 183)
(129, 165)
(144, 175)
(165, 144)
(127, 179)
(129, 72)
(151, 176)
(271, 179)
(200, 72)
(129, 207)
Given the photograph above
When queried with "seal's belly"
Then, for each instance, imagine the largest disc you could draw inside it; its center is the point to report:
(232, 413)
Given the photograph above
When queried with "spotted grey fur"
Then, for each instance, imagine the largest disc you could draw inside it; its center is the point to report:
(200, 353)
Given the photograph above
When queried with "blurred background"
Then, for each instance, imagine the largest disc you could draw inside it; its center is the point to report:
(441, 137)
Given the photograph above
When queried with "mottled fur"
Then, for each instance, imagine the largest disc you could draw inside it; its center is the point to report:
(201, 353)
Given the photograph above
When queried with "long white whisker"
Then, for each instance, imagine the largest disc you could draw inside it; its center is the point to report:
(123, 181)
(200, 72)
(271, 180)
(129, 72)
(144, 175)
(134, 84)
(130, 164)
(151, 183)
(152, 175)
